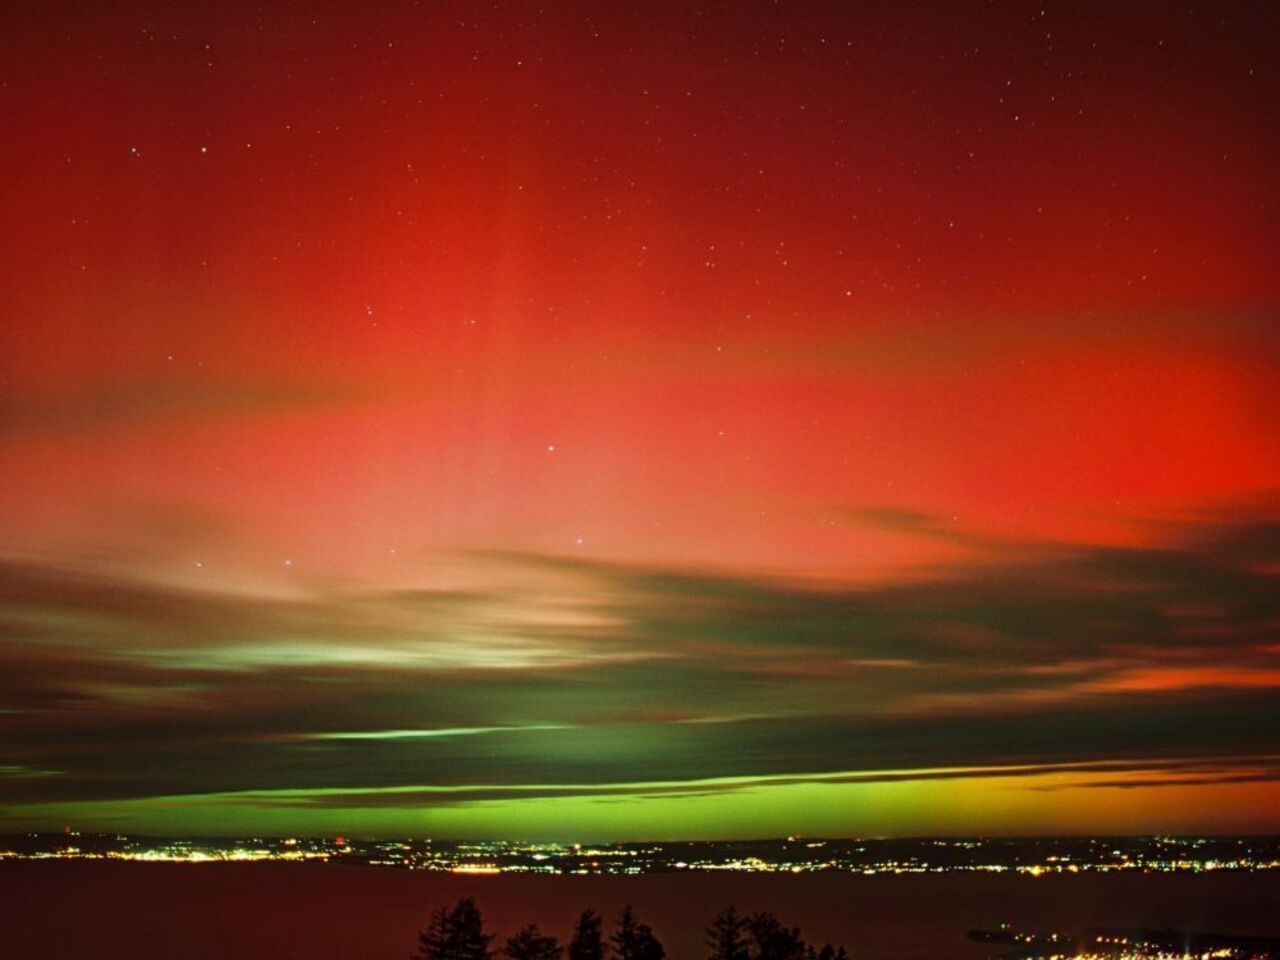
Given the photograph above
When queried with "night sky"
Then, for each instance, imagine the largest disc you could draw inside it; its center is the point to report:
(640, 420)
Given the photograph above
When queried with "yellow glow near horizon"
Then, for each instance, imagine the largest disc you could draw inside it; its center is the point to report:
(988, 801)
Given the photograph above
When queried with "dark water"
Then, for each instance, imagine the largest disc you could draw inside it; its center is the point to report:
(260, 911)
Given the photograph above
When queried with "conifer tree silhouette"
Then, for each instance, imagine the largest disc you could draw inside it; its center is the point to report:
(455, 933)
(587, 942)
(726, 938)
(634, 940)
(531, 944)
(770, 940)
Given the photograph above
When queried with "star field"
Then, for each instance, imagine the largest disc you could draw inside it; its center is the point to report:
(766, 394)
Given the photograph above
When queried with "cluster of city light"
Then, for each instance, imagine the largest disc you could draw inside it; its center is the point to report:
(868, 857)
(1139, 953)
(1134, 944)
(170, 855)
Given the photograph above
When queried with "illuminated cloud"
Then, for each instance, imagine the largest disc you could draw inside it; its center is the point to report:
(1061, 658)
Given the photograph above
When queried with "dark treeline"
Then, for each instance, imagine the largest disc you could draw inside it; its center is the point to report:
(457, 933)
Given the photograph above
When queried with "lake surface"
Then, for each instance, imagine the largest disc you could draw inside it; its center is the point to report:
(273, 910)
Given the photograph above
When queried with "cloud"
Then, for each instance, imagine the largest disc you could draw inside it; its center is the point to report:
(933, 351)
(1049, 777)
(127, 403)
(570, 671)
(431, 732)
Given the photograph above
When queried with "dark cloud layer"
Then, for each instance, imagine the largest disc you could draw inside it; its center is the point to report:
(1164, 658)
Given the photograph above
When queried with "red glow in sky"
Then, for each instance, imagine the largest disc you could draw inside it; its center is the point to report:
(330, 295)
(348, 279)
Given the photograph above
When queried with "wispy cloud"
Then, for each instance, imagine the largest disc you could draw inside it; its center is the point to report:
(433, 732)
(579, 672)
(125, 403)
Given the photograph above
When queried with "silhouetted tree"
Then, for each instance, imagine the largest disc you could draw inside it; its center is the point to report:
(726, 938)
(587, 943)
(433, 942)
(531, 944)
(634, 940)
(770, 940)
(455, 933)
(828, 952)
